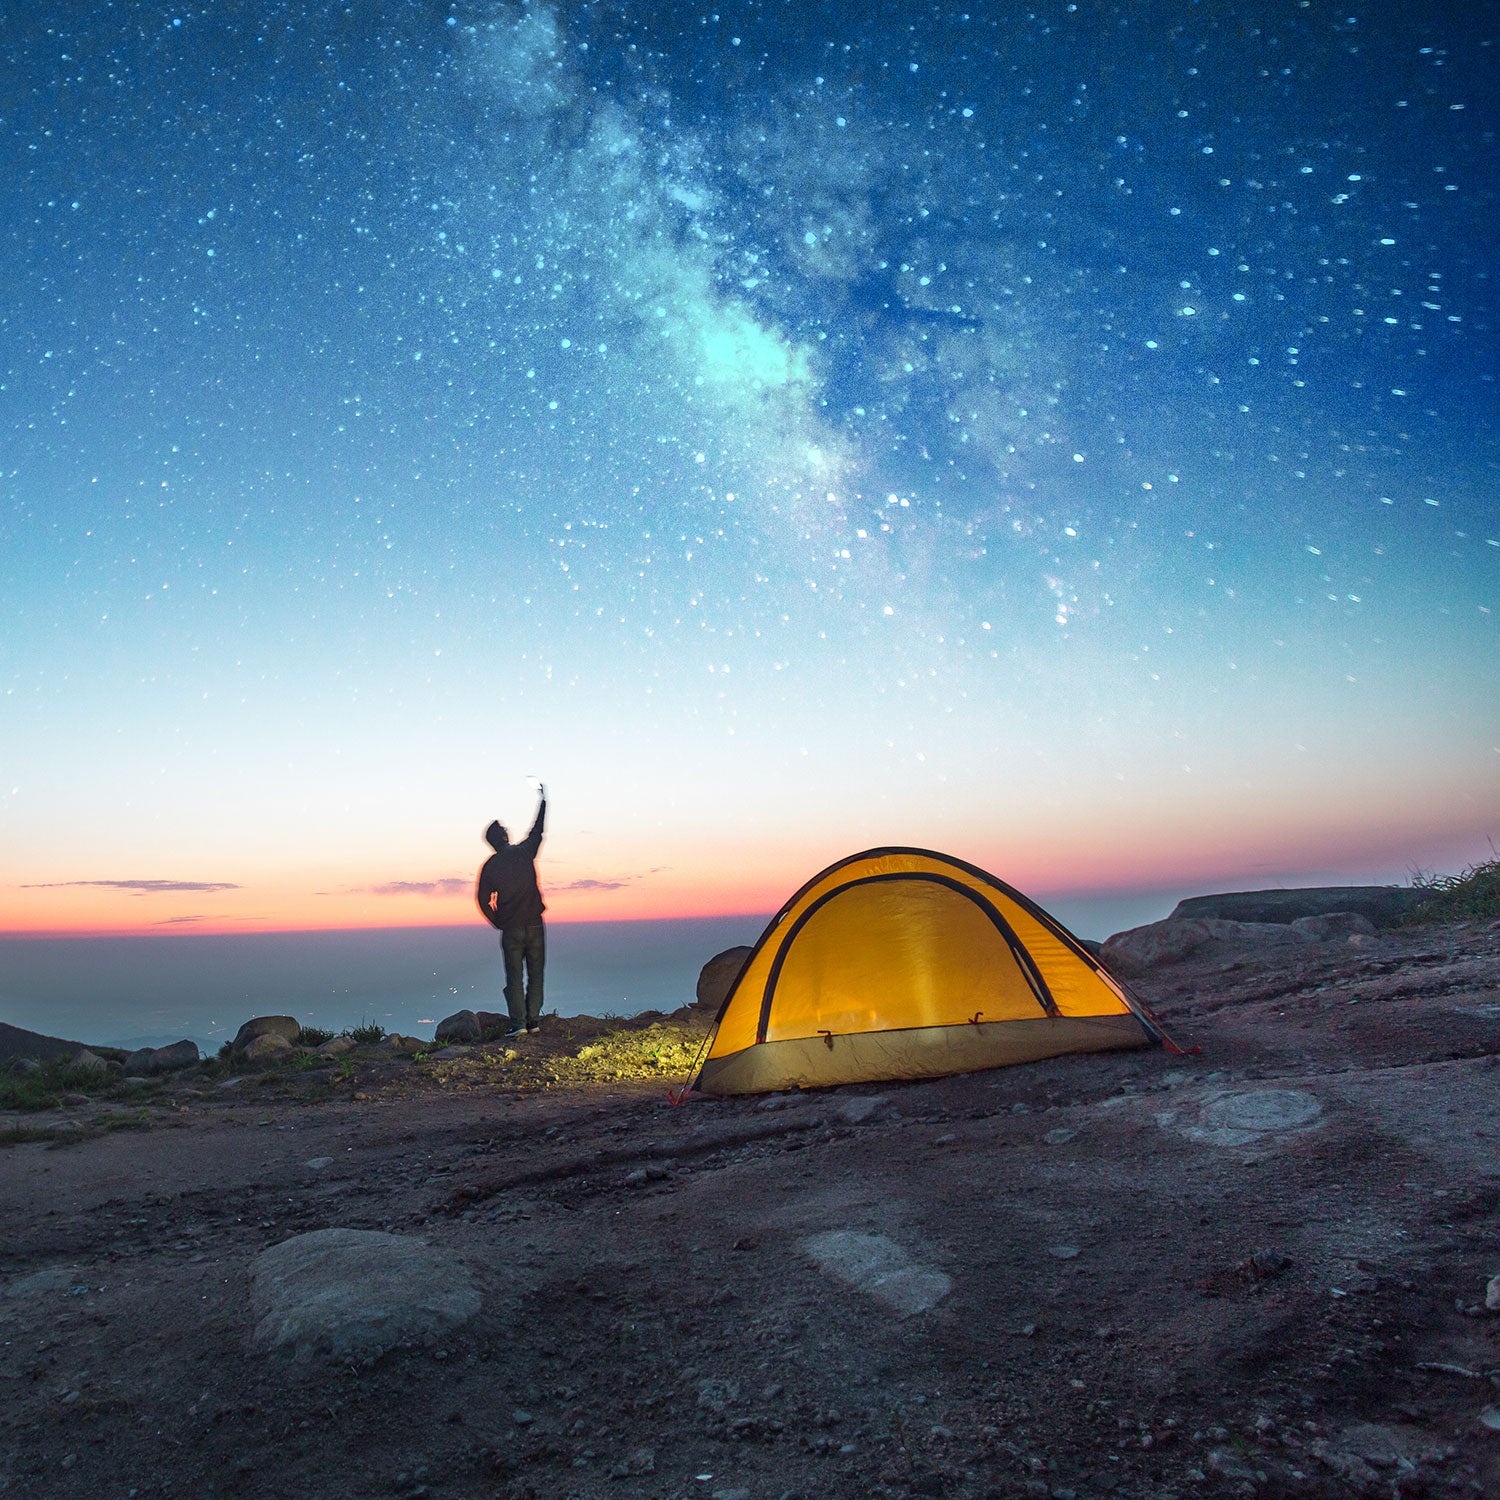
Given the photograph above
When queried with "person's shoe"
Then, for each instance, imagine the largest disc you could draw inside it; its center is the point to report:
(512, 1035)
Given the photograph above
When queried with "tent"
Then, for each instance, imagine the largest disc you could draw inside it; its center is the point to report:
(902, 963)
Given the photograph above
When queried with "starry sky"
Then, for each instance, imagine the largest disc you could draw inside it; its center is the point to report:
(1062, 435)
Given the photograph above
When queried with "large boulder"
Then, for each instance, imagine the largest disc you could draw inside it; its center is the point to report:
(337, 1046)
(462, 1027)
(1382, 905)
(718, 975)
(492, 1024)
(1141, 949)
(286, 1027)
(146, 1061)
(91, 1062)
(268, 1047)
(350, 1294)
(1138, 949)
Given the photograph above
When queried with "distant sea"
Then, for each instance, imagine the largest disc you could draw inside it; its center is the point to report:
(151, 990)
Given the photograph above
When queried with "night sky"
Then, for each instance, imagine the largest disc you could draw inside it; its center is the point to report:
(1061, 435)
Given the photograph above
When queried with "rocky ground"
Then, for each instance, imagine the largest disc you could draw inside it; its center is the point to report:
(1257, 1269)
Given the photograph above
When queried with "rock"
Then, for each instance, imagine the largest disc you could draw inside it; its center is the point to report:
(491, 1024)
(91, 1061)
(21, 1066)
(146, 1061)
(336, 1046)
(287, 1027)
(404, 1046)
(1335, 926)
(1157, 943)
(718, 975)
(857, 1111)
(1492, 1294)
(267, 1047)
(448, 1054)
(349, 1294)
(1383, 905)
(462, 1027)
(1140, 949)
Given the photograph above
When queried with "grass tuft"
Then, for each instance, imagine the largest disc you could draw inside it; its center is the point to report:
(43, 1088)
(1473, 895)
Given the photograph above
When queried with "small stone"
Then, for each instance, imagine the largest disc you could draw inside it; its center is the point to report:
(1490, 1417)
(1059, 1137)
(522, 1418)
(1063, 1252)
(1492, 1294)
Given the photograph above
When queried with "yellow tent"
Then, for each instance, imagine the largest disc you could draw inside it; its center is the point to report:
(901, 963)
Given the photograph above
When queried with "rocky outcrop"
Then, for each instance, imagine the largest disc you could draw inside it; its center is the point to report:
(1177, 937)
(461, 1027)
(90, 1061)
(286, 1027)
(718, 975)
(1382, 905)
(145, 1062)
(351, 1294)
(1141, 949)
(337, 1046)
(16, 1041)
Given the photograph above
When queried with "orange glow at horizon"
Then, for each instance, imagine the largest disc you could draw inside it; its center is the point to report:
(1099, 861)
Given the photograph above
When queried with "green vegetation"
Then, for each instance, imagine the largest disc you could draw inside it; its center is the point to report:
(364, 1034)
(314, 1036)
(1472, 896)
(44, 1087)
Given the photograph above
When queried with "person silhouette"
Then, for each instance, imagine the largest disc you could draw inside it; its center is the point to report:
(511, 900)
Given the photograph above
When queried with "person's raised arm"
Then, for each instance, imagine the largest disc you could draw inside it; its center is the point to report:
(534, 838)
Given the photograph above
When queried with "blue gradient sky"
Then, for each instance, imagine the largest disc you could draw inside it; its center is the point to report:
(1060, 435)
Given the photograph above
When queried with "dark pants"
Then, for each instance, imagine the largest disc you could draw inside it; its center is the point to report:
(524, 946)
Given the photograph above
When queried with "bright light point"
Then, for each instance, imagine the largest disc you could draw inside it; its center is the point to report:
(888, 610)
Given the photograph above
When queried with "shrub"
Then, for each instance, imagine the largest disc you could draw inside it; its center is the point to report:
(368, 1031)
(1473, 895)
(313, 1036)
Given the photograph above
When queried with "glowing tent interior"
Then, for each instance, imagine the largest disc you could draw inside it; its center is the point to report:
(902, 963)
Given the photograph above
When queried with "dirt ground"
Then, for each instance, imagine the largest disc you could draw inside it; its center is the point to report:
(1256, 1269)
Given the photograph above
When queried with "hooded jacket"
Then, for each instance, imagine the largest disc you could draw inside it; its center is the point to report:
(507, 892)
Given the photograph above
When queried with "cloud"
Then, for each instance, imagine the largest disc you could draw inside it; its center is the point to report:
(593, 885)
(141, 887)
(451, 886)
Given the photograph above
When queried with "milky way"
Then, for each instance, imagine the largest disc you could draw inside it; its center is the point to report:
(989, 426)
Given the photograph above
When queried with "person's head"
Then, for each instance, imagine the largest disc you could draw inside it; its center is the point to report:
(496, 836)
